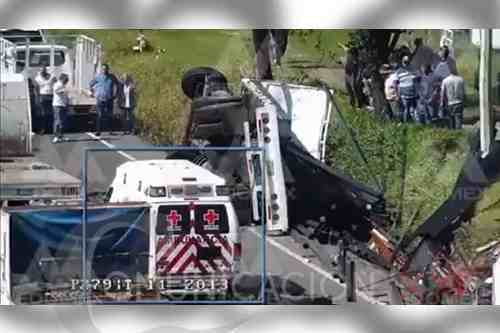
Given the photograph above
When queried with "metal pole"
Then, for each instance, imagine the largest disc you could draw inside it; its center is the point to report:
(84, 227)
(351, 282)
(486, 116)
(496, 282)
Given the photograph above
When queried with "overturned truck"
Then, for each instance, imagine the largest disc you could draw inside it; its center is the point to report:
(320, 207)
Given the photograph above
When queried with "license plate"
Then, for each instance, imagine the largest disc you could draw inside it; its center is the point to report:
(205, 284)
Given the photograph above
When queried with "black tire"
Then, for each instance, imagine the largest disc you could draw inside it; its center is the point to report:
(193, 80)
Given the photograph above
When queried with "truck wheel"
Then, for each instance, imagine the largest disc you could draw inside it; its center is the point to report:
(193, 81)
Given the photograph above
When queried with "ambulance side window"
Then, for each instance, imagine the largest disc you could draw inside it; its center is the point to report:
(157, 191)
(139, 186)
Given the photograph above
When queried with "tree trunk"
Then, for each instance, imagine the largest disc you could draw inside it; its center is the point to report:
(261, 41)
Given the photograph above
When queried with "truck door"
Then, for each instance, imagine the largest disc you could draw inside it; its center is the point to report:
(194, 239)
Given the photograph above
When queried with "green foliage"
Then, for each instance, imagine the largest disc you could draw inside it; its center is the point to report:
(485, 225)
(324, 46)
(425, 160)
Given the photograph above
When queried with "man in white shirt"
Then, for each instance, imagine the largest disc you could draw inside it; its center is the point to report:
(391, 95)
(45, 83)
(452, 99)
(60, 104)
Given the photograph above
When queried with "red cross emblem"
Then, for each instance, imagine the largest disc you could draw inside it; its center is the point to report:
(174, 218)
(210, 217)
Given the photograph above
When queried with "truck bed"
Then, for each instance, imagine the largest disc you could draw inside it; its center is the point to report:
(26, 178)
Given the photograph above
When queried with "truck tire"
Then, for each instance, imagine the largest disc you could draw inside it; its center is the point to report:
(193, 80)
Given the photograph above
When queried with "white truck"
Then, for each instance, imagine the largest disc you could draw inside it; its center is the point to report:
(78, 56)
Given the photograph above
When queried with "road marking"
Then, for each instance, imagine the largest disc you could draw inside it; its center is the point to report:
(312, 266)
(109, 145)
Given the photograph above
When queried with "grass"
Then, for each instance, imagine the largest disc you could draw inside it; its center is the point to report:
(425, 160)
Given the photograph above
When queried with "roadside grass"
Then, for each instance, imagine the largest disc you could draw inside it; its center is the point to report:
(425, 160)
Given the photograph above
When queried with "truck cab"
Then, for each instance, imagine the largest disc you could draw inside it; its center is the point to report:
(195, 245)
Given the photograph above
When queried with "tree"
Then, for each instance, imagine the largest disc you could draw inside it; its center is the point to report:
(375, 49)
(269, 44)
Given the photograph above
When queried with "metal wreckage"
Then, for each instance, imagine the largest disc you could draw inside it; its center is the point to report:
(326, 211)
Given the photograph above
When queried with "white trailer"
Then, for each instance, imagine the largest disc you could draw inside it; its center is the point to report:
(78, 56)
(15, 115)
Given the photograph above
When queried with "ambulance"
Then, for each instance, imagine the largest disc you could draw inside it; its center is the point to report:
(195, 245)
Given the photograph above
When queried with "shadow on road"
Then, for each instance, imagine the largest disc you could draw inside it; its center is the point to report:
(277, 291)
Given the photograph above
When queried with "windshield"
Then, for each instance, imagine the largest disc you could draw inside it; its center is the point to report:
(39, 58)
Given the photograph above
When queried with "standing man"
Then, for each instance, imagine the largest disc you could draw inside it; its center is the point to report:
(407, 82)
(45, 84)
(391, 95)
(426, 106)
(268, 44)
(446, 64)
(127, 102)
(60, 103)
(105, 88)
(351, 70)
(452, 99)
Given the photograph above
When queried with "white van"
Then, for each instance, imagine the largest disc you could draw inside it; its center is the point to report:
(195, 247)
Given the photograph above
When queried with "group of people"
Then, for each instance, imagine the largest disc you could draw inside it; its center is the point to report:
(419, 86)
(422, 89)
(54, 101)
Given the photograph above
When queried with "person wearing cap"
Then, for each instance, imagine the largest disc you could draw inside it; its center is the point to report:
(407, 87)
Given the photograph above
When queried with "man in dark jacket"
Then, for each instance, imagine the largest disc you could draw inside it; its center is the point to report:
(127, 101)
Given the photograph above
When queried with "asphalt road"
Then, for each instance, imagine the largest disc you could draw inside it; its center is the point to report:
(294, 275)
